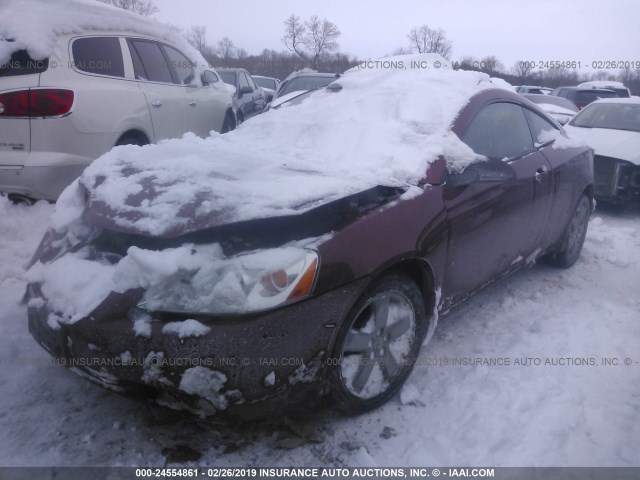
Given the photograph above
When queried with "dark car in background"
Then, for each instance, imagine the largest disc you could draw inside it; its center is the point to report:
(248, 98)
(304, 81)
(583, 96)
(612, 128)
(356, 302)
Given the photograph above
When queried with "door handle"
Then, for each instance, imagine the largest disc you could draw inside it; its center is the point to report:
(540, 173)
(156, 103)
(193, 103)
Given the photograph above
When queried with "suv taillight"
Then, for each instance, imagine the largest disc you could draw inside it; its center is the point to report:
(41, 102)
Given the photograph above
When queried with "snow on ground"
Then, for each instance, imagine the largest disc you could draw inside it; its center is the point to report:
(554, 415)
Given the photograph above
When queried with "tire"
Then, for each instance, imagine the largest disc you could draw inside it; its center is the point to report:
(19, 199)
(229, 123)
(129, 140)
(570, 245)
(373, 357)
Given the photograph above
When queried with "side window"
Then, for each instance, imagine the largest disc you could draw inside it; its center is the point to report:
(244, 82)
(152, 65)
(98, 55)
(542, 129)
(182, 67)
(499, 131)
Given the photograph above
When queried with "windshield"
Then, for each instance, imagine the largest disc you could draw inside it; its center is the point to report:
(305, 83)
(265, 82)
(228, 77)
(617, 116)
(21, 63)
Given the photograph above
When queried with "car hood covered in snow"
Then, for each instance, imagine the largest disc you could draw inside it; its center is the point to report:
(607, 142)
(377, 130)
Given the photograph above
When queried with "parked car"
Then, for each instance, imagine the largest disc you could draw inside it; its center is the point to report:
(248, 98)
(558, 108)
(305, 80)
(534, 89)
(581, 97)
(612, 128)
(310, 260)
(74, 91)
(618, 87)
(270, 86)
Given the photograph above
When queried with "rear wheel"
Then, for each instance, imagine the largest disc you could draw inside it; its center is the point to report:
(568, 250)
(130, 140)
(378, 344)
(18, 199)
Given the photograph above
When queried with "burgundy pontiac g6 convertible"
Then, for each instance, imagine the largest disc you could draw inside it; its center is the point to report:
(307, 254)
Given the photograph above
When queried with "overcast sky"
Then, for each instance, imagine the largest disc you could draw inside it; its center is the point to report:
(577, 30)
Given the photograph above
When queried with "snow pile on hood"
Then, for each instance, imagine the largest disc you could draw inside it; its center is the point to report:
(33, 25)
(383, 127)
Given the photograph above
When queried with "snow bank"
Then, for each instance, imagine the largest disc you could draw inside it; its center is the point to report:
(383, 127)
(33, 25)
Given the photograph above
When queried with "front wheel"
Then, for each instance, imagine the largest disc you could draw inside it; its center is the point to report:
(229, 123)
(568, 250)
(377, 344)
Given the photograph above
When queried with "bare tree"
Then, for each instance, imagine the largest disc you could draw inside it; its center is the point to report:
(141, 7)
(226, 48)
(428, 40)
(312, 39)
(197, 36)
(400, 51)
(491, 65)
(522, 70)
(467, 63)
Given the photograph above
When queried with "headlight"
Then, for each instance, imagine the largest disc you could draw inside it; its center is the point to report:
(241, 284)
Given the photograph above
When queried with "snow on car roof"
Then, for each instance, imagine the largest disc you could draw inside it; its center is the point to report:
(384, 127)
(33, 25)
(602, 84)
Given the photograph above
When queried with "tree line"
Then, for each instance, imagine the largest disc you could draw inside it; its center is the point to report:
(313, 43)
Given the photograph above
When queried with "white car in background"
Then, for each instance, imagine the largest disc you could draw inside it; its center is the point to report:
(84, 78)
(611, 127)
(558, 108)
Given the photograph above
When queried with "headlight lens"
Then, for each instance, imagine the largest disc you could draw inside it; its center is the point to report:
(242, 284)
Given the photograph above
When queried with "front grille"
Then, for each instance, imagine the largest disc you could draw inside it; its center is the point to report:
(604, 171)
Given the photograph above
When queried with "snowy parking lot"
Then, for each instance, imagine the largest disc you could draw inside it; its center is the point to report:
(542, 368)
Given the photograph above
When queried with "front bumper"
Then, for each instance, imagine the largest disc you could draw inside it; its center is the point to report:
(616, 181)
(245, 367)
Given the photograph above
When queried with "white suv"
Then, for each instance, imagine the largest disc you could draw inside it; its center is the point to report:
(94, 91)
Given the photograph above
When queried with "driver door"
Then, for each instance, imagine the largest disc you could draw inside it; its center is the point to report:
(492, 218)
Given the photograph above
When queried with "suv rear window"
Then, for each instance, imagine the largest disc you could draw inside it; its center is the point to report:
(98, 55)
(21, 63)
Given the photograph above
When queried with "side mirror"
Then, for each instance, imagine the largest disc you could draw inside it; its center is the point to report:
(245, 90)
(208, 78)
(461, 179)
(483, 171)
